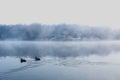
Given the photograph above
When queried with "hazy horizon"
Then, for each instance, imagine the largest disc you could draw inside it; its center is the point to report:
(59, 40)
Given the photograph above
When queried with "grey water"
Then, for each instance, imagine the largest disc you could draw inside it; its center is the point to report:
(86, 60)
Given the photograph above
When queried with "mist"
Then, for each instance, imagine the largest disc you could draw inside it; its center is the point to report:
(57, 49)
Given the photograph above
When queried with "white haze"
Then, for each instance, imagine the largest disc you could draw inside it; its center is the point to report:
(86, 12)
(71, 53)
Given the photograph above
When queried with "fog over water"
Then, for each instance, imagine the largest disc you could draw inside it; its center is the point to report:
(66, 52)
(88, 60)
(58, 49)
(61, 49)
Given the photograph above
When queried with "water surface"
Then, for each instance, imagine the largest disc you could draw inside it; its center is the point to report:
(60, 60)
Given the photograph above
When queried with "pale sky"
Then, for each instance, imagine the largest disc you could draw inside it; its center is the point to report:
(83, 12)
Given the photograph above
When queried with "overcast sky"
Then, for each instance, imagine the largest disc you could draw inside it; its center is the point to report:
(83, 12)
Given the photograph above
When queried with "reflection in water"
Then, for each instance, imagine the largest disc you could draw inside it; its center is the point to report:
(30, 65)
(47, 62)
(60, 60)
(54, 61)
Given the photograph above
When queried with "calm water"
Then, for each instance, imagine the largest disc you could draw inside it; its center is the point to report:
(98, 60)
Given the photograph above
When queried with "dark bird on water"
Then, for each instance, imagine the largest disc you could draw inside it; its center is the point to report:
(22, 60)
(37, 59)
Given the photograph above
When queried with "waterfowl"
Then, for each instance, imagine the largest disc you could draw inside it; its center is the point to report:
(22, 60)
(37, 59)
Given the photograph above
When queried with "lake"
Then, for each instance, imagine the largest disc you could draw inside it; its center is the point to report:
(86, 60)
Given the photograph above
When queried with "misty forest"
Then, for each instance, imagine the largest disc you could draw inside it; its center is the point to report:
(60, 32)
